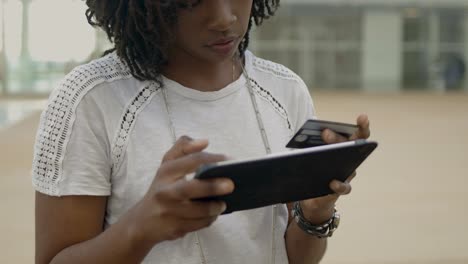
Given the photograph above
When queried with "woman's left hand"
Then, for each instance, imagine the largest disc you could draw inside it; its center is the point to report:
(319, 210)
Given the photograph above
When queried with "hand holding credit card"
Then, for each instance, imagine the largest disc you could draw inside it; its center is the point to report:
(310, 134)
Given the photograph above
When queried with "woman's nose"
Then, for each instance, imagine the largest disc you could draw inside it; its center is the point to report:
(222, 15)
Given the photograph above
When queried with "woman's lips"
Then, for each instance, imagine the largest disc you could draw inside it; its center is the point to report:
(223, 46)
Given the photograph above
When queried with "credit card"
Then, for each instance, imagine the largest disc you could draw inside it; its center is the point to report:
(310, 134)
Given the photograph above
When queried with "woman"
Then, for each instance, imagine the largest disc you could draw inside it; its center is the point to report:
(115, 145)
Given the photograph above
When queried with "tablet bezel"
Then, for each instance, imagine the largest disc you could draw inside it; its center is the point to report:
(261, 181)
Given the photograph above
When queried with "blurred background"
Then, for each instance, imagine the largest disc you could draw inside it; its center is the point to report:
(404, 63)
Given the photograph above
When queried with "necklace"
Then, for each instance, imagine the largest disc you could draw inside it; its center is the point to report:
(266, 144)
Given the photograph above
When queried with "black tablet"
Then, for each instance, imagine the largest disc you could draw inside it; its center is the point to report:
(287, 176)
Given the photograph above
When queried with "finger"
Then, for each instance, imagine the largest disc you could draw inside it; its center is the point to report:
(363, 124)
(185, 146)
(177, 169)
(330, 137)
(196, 189)
(340, 188)
(318, 210)
(193, 210)
(320, 203)
(350, 178)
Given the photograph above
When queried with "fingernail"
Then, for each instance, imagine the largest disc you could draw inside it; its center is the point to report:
(337, 186)
(224, 157)
(215, 209)
(199, 141)
(223, 207)
(226, 186)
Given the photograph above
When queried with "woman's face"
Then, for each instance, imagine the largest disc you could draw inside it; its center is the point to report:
(212, 30)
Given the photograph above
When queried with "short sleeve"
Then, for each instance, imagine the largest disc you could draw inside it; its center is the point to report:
(71, 153)
(305, 109)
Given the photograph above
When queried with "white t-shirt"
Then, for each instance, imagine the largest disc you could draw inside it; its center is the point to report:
(104, 133)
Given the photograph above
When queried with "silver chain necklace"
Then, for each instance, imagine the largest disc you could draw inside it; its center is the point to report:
(266, 143)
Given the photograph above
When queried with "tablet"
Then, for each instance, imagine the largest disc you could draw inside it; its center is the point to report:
(288, 176)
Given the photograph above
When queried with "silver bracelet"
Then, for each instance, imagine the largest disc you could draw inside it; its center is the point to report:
(321, 231)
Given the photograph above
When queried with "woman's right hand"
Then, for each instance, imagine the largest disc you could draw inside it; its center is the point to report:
(168, 211)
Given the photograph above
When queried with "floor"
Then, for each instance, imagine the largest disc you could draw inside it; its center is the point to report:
(408, 204)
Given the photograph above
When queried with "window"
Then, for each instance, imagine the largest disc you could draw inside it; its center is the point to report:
(322, 45)
(433, 41)
(41, 45)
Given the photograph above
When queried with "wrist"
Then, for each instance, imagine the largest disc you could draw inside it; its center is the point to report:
(322, 230)
(317, 216)
(136, 233)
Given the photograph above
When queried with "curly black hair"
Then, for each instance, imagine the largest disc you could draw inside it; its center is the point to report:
(141, 29)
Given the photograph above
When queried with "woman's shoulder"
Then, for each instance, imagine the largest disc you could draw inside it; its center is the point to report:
(99, 90)
(100, 79)
(271, 69)
(275, 77)
(106, 69)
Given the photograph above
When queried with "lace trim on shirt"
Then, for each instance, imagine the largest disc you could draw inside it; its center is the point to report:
(127, 122)
(274, 68)
(267, 96)
(57, 120)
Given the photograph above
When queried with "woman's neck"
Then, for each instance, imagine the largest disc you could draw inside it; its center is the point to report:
(203, 76)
